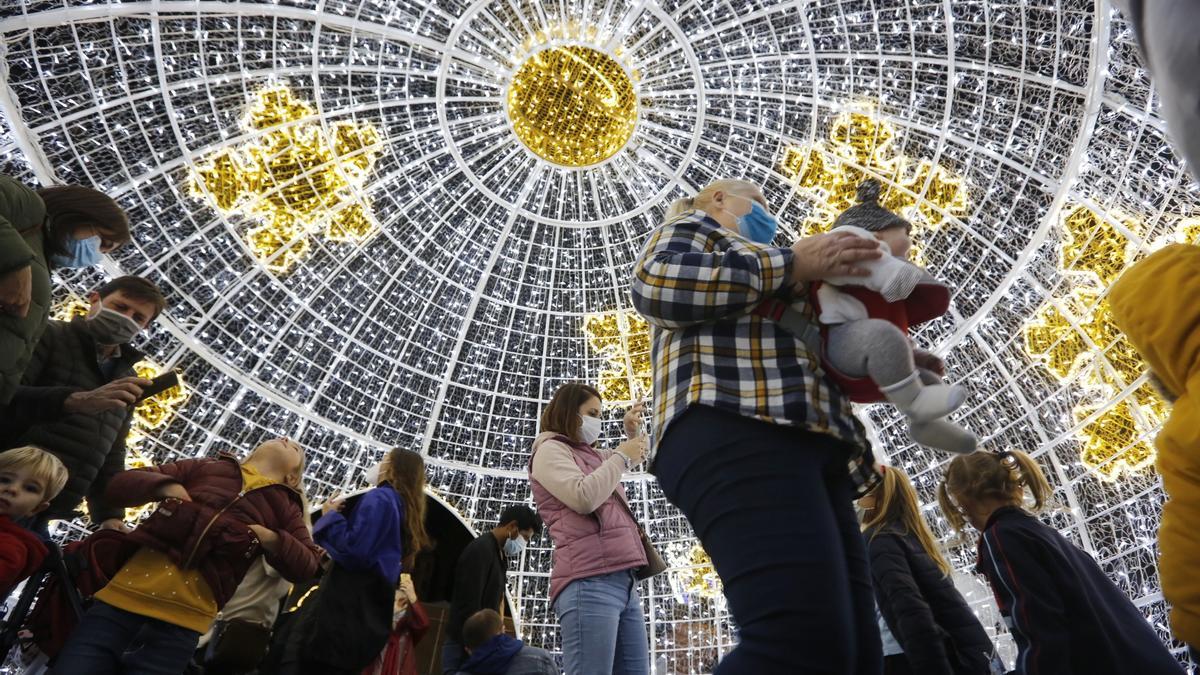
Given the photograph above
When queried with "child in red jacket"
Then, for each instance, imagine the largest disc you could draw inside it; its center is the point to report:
(29, 478)
(214, 519)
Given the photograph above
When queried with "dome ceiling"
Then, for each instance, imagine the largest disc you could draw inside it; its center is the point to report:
(403, 223)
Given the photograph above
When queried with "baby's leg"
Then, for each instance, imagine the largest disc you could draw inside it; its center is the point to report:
(871, 348)
(879, 350)
(942, 433)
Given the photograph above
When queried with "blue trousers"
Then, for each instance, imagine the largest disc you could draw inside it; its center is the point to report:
(772, 506)
(109, 641)
(603, 627)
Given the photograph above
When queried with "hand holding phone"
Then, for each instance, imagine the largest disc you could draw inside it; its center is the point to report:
(160, 384)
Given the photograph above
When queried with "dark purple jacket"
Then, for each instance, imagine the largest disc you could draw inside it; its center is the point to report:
(211, 532)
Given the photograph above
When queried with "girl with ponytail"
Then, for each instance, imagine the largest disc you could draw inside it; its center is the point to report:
(1067, 616)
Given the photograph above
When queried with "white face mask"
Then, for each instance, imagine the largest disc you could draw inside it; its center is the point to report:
(590, 429)
(372, 474)
(513, 547)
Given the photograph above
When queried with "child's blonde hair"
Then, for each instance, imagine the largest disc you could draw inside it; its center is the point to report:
(1001, 475)
(44, 466)
(896, 504)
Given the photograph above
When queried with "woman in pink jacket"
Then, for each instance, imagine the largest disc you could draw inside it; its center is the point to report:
(597, 545)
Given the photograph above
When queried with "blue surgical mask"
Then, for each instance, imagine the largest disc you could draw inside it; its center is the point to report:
(80, 253)
(513, 547)
(758, 225)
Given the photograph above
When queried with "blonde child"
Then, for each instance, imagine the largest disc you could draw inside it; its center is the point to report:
(1066, 615)
(29, 479)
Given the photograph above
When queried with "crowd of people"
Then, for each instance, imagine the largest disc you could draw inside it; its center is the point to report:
(827, 561)
(758, 353)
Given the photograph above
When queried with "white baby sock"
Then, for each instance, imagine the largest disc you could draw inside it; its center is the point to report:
(924, 403)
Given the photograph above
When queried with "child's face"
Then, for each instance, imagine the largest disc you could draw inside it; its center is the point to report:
(897, 239)
(21, 493)
(281, 455)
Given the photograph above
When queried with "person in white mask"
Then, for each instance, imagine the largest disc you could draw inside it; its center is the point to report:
(598, 546)
(480, 576)
(77, 396)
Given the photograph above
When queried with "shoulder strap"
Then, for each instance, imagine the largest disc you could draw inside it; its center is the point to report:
(793, 321)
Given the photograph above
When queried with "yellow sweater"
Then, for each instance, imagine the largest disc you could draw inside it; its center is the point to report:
(151, 585)
(1155, 304)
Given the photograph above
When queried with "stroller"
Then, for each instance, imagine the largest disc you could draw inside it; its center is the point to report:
(55, 597)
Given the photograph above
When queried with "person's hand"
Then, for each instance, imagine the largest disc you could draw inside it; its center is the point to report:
(634, 449)
(929, 361)
(833, 254)
(267, 538)
(633, 419)
(119, 394)
(116, 524)
(173, 491)
(333, 504)
(16, 292)
(407, 588)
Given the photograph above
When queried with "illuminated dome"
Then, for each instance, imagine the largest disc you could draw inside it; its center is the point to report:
(405, 223)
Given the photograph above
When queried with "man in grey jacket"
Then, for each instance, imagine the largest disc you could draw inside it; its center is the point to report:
(492, 652)
(78, 393)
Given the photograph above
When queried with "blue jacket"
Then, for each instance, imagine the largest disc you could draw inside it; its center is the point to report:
(370, 538)
(506, 655)
(1067, 616)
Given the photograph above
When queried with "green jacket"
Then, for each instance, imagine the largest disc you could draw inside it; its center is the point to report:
(21, 217)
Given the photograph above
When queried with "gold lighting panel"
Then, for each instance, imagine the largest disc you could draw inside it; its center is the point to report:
(858, 146)
(1074, 338)
(572, 105)
(622, 337)
(296, 178)
(693, 575)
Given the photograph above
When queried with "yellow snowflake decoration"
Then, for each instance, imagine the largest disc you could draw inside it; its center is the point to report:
(1075, 339)
(296, 178)
(693, 575)
(858, 146)
(622, 337)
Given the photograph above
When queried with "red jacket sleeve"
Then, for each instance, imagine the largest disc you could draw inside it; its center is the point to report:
(298, 556)
(140, 486)
(19, 557)
(417, 620)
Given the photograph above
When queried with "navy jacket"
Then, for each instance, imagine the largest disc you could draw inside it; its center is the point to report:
(506, 655)
(1068, 618)
(925, 612)
(370, 538)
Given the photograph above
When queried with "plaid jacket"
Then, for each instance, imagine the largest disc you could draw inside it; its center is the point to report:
(698, 284)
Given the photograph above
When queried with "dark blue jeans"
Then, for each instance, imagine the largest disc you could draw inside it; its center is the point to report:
(772, 506)
(110, 641)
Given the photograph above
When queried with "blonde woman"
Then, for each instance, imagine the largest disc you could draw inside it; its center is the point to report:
(932, 630)
(755, 445)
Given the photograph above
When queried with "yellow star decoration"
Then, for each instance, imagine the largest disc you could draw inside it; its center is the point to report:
(622, 337)
(693, 575)
(1075, 339)
(296, 178)
(859, 146)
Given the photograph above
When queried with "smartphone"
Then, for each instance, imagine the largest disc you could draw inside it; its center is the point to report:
(160, 384)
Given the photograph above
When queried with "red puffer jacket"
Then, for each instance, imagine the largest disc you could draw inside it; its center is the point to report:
(211, 532)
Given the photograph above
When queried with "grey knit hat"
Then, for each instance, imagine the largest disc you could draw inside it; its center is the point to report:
(868, 214)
